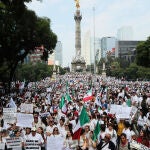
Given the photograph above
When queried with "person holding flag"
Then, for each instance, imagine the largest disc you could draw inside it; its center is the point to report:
(92, 143)
(82, 120)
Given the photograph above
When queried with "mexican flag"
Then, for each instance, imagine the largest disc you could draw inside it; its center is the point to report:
(62, 105)
(67, 97)
(88, 96)
(96, 131)
(83, 119)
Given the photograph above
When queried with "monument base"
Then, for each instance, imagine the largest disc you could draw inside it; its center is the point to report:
(104, 74)
(78, 67)
(54, 76)
(78, 64)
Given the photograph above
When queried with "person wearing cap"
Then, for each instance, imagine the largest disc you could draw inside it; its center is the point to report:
(35, 136)
(106, 144)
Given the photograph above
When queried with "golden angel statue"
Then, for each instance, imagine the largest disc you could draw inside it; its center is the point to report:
(77, 3)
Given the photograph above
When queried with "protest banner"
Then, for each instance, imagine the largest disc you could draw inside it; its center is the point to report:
(32, 145)
(9, 115)
(2, 146)
(26, 108)
(14, 143)
(53, 142)
(24, 120)
(120, 111)
(44, 114)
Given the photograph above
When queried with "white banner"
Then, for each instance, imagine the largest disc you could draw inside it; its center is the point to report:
(120, 111)
(9, 115)
(27, 108)
(2, 146)
(24, 120)
(55, 142)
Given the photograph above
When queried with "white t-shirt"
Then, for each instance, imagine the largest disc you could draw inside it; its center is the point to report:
(141, 121)
(113, 135)
(36, 137)
(128, 133)
(50, 128)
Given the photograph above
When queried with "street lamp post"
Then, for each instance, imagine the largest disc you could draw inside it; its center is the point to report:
(94, 36)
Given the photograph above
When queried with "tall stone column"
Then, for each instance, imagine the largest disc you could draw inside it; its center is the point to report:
(77, 18)
(78, 62)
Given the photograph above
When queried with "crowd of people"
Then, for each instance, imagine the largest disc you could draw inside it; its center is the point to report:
(55, 111)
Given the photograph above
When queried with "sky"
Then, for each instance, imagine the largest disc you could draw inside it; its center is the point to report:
(108, 17)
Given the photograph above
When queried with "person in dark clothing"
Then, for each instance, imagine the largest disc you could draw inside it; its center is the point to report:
(106, 143)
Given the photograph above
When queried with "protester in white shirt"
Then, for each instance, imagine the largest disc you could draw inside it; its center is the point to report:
(127, 131)
(141, 120)
(36, 136)
(110, 130)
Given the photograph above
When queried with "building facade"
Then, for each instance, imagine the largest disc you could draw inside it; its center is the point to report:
(126, 50)
(58, 53)
(86, 48)
(107, 45)
(36, 55)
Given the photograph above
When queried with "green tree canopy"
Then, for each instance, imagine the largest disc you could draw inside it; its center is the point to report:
(143, 53)
(21, 31)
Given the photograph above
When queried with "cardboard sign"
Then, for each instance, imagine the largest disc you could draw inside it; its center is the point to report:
(24, 120)
(14, 143)
(27, 108)
(54, 142)
(120, 111)
(32, 145)
(9, 115)
(2, 146)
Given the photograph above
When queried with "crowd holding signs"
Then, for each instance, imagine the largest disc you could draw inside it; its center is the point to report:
(75, 112)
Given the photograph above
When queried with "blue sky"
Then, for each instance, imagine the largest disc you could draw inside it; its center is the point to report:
(110, 15)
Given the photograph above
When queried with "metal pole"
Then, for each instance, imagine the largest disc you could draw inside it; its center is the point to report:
(94, 37)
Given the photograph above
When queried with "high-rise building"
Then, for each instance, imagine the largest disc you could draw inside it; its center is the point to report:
(86, 49)
(107, 45)
(58, 53)
(125, 33)
(56, 56)
(126, 50)
(51, 59)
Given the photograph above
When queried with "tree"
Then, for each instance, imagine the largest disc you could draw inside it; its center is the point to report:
(35, 72)
(143, 53)
(21, 31)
